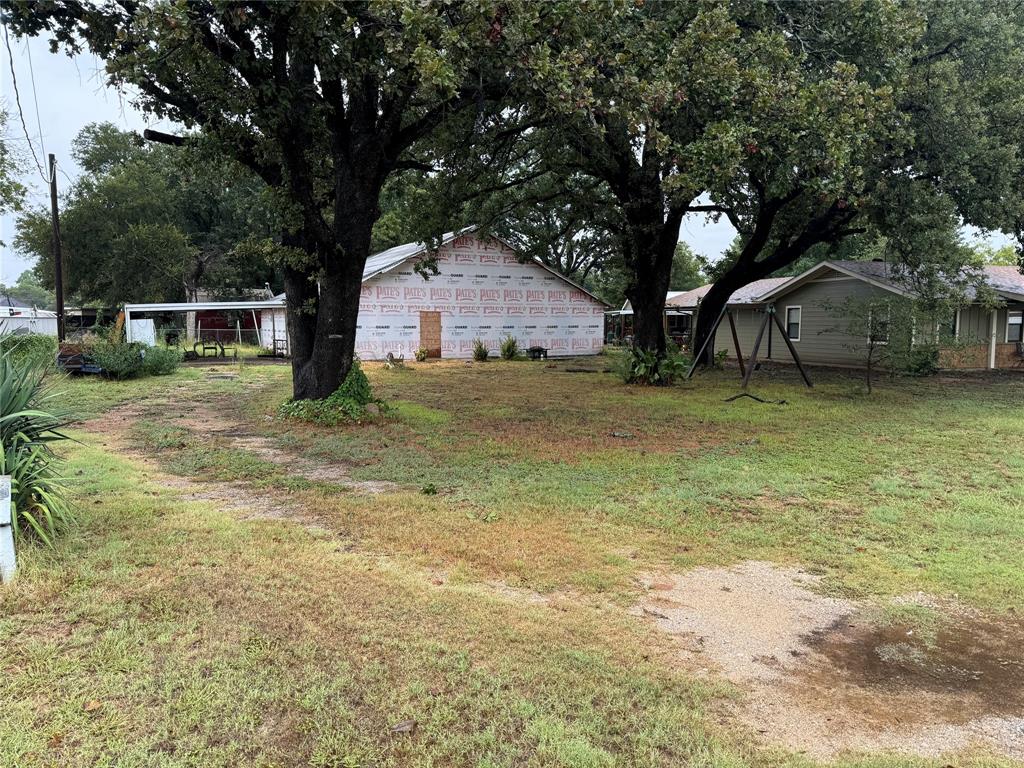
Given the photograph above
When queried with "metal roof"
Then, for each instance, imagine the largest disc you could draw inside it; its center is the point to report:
(1006, 281)
(627, 308)
(393, 257)
(203, 306)
(748, 294)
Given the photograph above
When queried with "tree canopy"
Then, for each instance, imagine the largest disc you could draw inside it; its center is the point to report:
(151, 223)
(28, 289)
(804, 124)
(323, 101)
(12, 191)
(931, 146)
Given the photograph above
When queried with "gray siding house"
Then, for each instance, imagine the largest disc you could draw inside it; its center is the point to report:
(811, 307)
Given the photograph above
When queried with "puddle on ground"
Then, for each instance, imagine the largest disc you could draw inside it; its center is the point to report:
(972, 668)
(821, 676)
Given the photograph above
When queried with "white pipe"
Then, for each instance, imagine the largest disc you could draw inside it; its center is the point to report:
(128, 325)
(8, 561)
(992, 340)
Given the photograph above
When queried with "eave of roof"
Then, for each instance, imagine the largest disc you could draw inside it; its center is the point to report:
(791, 284)
(387, 260)
(747, 295)
(203, 306)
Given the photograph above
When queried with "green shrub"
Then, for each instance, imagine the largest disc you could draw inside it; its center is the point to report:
(30, 348)
(480, 350)
(161, 361)
(509, 348)
(355, 387)
(348, 403)
(923, 361)
(422, 354)
(642, 366)
(118, 359)
(29, 422)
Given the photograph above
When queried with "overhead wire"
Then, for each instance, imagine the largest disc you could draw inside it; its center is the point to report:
(21, 112)
(35, 97)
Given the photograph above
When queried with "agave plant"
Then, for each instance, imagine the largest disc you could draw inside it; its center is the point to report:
(30, 421)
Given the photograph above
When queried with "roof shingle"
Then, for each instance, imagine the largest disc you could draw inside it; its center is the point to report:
(748, 294)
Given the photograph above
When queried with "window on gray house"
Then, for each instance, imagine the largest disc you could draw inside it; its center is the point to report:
(793, 323)
(1014, 325)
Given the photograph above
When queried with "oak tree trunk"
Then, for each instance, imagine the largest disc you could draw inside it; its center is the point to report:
(650, 243)
(323, 313)
(647, 297)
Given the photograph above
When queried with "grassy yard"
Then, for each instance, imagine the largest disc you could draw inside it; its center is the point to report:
(474, 612)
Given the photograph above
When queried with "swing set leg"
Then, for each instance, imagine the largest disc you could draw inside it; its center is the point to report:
(736, 342)
(707, 341)
(752, 362)
(792, 350)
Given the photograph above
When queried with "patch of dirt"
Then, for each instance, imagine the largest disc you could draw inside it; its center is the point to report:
(205, 421)
(749, 620)
(115, 425)
(819, 676)
(518, 594)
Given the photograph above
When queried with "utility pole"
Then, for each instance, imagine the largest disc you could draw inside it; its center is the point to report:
(58, 260)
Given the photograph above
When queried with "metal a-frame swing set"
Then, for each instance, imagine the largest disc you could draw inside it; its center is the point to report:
(747, 369)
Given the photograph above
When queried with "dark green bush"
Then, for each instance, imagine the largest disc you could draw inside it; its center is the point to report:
(509, 348)
(642, 366)
(480, 350)
(29, 349)
(922, 361)
(349, 403)
(161, 361)
(118, 359)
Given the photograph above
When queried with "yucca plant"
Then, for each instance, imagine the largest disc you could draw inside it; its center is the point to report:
(30, 420)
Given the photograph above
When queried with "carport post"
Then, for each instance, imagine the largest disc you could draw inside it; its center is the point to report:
(8, 563)
(127, 324)
(992, 339)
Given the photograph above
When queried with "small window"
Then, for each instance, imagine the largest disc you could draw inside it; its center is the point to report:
(1014, 325)
(793, 323)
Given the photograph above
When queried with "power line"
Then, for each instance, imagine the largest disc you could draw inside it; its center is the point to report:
(21, 113)
(35, 96)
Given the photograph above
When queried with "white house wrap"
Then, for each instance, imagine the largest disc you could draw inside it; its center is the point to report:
(481, 291)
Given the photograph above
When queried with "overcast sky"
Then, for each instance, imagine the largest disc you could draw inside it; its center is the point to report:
(71, 93)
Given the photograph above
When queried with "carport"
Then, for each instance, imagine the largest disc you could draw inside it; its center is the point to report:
(275, 337)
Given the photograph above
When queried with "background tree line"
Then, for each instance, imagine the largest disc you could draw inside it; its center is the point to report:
(586, 133)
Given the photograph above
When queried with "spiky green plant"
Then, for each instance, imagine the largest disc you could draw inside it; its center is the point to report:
(30, 420)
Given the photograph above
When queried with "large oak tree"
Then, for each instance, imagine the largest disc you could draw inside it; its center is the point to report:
(945, 148)
(802, 123)
(324, 101)
(660, 104)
